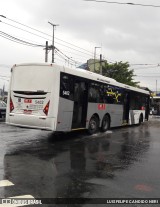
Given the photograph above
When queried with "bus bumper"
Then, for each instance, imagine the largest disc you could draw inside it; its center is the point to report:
(31, 121)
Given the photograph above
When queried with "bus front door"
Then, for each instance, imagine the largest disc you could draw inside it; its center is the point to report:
(80, 104)
(126, 105)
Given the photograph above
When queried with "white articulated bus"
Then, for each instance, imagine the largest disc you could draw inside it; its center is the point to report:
(57, 98)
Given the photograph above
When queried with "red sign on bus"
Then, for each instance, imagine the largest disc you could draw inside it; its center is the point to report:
(27, 100)
(101, 106)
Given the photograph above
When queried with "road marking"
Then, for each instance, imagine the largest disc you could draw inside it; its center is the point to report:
(109, 132)
(4, 183)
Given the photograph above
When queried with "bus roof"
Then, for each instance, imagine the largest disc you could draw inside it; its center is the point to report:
(156, 97)
(86, 74)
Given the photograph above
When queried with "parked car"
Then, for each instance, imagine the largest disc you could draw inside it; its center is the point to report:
(3, 106)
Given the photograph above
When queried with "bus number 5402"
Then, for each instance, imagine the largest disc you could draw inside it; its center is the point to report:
(66, 93)
(39, 102)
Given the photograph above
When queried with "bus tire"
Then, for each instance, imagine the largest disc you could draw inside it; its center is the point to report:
(140, 119)
(93, 125)
(105, 123)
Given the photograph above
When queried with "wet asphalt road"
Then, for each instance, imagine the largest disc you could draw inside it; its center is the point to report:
(123, 163)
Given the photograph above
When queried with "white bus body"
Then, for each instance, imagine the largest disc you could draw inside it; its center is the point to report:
(155, 105)
(39, 98)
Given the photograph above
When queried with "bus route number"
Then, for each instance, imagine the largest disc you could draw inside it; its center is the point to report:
(66, 93)
(39, 102)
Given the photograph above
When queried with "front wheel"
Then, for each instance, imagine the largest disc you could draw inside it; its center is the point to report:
(105, 123)
(93, 125)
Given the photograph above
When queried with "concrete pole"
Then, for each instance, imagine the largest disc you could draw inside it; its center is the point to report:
(53, 47)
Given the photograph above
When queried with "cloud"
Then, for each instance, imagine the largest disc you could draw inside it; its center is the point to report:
(125, 33)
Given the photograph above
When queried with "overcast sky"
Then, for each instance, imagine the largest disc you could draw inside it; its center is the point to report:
(124, 33)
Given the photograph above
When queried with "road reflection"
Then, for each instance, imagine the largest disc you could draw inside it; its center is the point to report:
(60, 166)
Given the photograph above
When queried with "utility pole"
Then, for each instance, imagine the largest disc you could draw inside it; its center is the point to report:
(46, 52)
(53, 47)
(101, 64)
(95, 57)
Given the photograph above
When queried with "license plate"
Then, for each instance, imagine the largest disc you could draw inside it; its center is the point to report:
(27, 112)
(27, 100)
(33, 107)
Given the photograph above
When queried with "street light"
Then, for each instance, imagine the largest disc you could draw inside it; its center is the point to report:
(95, 57)
(53, 47)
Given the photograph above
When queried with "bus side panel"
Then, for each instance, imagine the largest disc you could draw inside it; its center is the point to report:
(114, 110)
(116, 113)
(134, 116)
(65, 113)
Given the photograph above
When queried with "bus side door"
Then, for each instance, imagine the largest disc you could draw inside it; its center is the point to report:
(126, 106)
(80, 103)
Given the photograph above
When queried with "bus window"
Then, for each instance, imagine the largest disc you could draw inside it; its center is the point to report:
(113, 94)
(134, 101)
(66, 86)
(118, 95)
(109, 97)
(138, 101)
(95, 93)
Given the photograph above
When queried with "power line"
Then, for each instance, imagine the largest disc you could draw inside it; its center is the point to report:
(17, 40)
(130, 4)
(145, 76)
(142, 68)
(48, 35)
(75, 49)
(56, 38)
(45, 34)
(63, 40)
(76, 54)
(23, 30)
(151, 73)
(45, 38)
(142, 64)
(11, 40)
(65, 57)
(63, 54)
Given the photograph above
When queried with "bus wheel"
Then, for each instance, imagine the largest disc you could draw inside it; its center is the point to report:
(93, 125)
(140, 119)
(105, 123)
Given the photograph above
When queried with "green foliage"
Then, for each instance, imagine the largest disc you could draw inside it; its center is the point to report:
(120, 72)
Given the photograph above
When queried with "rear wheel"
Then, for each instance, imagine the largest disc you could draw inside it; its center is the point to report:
(140, 119)
(105, 123)
(93, 125)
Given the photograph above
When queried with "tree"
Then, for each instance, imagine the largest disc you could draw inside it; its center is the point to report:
(120, 72)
